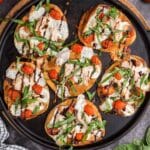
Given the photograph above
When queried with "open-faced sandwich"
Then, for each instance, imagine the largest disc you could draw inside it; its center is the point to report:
(123, 87)
(42, 31)
(75, 122)
(106, 28)
(73, 71)
(25, 91)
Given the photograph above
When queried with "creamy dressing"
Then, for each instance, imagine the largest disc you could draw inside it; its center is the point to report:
(86, 74)
(63, 56)
(53, 29)
(68, 69)
(36, 14)
(80, 123)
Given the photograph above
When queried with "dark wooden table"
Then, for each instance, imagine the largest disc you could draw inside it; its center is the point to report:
(137, 132)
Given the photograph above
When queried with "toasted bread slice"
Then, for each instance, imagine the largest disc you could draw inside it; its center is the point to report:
(111, 29)
(41, 31)
(75, 72)
(123, 87)
(25, 91)
(75, 130)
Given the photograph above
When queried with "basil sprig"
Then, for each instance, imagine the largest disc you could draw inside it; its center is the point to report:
(113, 12)
(63, 122)
(143, 144)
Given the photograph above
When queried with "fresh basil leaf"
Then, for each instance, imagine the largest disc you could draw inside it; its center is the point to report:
(39, 5)
(90, 95)
(87, 33)
(93, 125)
(61, 123)
(27, 98)
(26, 101)
(148, 136)
(144, 147)
(48, 1)
(26, 91)
(18, 21)
(113, 12)
(109, 76)
(143, 78)
(138, 142)
(126, 147)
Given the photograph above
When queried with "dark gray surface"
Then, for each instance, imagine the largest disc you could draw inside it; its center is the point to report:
(137, 132)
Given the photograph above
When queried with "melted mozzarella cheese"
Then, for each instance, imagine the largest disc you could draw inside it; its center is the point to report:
(19, 46)
(18, 83)
(11, 73)
(62, 56)
(15, 111)
(129, 110)
(107, 105)
(36, 14)
(45, 95)
(33, 42)
(80, 107)
(122, 25)
(80, 103)
(68, 69)
(86, 74)
(88, 118)
(87, 53)
(23, 34)
(66, 91)
(125, 64)
(52, 29)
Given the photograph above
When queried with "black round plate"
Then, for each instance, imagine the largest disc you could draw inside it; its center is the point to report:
(34, 129)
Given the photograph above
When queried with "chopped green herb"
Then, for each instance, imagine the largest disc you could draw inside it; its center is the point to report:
(90, 95)
(78, 62)
(18, 21)
(62, 137)
(36, 109)
(143, 78)
(27, 98)
(113, 12)
(95, 124)
(148, 137)
(40, 53)
(39, 5)
(17, 103)
(109, 76)
(87, 33)
(47, 5)
(61, 123)
(137, 145)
